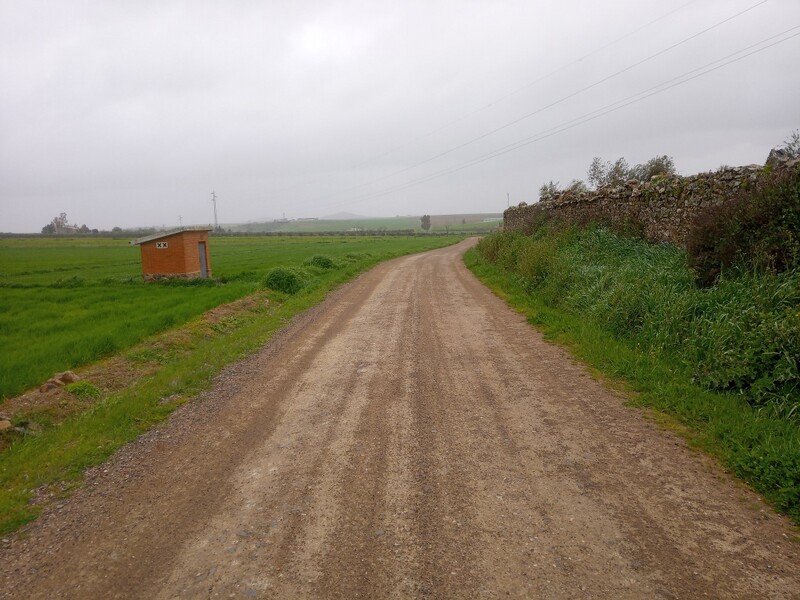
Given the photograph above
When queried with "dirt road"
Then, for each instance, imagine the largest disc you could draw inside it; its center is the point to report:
(410, 438)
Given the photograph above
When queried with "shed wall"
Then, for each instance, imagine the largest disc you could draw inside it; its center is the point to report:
(181, 258)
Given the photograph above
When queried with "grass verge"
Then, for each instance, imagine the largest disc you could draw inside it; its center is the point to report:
(758, 447)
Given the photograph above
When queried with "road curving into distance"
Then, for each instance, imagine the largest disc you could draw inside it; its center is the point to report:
(411, 437)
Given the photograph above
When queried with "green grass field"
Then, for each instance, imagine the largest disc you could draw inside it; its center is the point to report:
(68, 302)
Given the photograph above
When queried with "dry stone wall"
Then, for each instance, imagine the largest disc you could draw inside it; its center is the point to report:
(662, 209)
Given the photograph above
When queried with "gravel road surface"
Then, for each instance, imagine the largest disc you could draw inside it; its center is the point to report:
(411, 437)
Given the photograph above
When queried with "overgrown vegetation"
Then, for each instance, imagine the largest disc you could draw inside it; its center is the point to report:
(84, 390)
(288, 280)
(723, 359)
(791, 144)
(321, 261)
(758, 229)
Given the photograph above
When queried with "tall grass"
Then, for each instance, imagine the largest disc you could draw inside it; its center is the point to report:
(742, 335)
(723, 359)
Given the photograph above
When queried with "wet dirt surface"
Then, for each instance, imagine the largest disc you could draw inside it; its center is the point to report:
(411, 437)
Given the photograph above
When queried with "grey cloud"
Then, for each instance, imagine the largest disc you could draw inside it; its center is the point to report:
(131, 113)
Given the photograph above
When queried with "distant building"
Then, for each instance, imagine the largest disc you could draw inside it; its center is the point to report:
(181, 253)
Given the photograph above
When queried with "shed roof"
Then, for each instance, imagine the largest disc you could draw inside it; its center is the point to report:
(163, 234)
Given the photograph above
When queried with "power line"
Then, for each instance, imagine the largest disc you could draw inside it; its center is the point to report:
(586, 88)
(554, 103)
(528, 85)
(590, 116)
(652, 91)
(494, 102)
(579, 121)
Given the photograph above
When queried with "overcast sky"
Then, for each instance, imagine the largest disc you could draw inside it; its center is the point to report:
(132, 113)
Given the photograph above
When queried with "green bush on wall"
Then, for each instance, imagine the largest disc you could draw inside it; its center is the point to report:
(759, 228)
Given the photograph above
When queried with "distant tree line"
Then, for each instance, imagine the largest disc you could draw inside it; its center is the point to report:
(61, 226)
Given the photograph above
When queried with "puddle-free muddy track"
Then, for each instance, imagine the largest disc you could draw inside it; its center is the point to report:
(411, 437)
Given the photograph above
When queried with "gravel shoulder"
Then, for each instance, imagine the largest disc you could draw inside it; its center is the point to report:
(411, 437)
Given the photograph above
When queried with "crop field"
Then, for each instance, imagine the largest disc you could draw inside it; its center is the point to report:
(69, 302)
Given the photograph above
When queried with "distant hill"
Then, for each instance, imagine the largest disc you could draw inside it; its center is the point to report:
(343, 216)
(343, 222)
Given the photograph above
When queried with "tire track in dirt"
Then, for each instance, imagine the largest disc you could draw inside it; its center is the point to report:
(411, 437)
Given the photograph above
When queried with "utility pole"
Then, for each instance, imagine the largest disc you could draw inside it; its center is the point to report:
(508, 199)
(214, 200)
(180, 221)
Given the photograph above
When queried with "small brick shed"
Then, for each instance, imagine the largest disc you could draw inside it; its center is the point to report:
(182, 253)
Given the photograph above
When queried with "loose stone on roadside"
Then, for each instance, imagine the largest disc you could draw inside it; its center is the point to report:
(59, 380)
